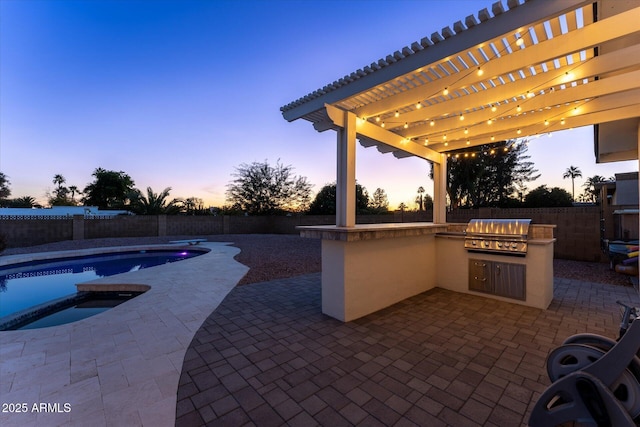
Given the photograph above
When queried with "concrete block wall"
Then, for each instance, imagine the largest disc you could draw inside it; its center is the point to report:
(193, 225)
(121, 226)
(577, 231)
(29, 232)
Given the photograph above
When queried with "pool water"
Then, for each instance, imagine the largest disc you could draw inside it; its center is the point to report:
(29, 284)
(81, 307)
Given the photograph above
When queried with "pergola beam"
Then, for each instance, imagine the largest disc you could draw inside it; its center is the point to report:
(618, 83)
(376, 133)
(535, 119)
(614, 114)
(588, 37)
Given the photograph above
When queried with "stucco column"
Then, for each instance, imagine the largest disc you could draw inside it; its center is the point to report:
(440, 190)
(346, 173)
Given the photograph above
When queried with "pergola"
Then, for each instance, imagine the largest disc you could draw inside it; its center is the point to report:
(529, 69)
(533, 68)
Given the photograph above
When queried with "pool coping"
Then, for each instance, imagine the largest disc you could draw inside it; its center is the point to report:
(122, 366)
(49, 307)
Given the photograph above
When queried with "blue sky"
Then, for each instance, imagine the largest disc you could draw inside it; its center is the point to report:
(179, 93)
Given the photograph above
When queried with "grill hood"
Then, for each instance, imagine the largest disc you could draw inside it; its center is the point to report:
(498, 227)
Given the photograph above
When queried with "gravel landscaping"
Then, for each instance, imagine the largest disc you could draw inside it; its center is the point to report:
(271, 256)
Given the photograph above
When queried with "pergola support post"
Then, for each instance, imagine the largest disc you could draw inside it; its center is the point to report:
(346, 173)
(440, 191)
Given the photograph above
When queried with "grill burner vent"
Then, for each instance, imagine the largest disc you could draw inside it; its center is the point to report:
(507, 236)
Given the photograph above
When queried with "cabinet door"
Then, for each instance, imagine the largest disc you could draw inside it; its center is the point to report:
(509, 280)
(479, 275)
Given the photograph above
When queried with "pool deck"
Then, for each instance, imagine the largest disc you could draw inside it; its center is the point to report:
(120, 367)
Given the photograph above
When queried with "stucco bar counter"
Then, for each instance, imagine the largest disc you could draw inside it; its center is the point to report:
(368, 267)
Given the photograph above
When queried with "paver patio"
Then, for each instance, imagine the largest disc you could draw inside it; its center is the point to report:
(268, 356)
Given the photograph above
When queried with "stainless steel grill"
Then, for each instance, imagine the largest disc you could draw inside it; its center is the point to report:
(507, 236)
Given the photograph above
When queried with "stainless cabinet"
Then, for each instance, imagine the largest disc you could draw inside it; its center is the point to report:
(498, 278)
(479, 275)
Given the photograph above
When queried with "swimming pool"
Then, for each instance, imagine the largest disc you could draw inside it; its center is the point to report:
(31, 284)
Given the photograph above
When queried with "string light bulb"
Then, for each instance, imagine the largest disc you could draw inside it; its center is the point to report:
(466, 154)
(397, 114)
(426, 141)
(445, 92)
(382, 125)
(492, 151)
(432, 123)
(418, 105)
(530, 94)
(446, 144)
(518, 108)
(461, 116)
(377, 118)
(546, 122)
(519, 131)
(493, 138)
(480, 71)
(562, 121)
(493, 108)
(489, 121)
(406, 125)
(468, 142)
(466, 131)
(506, 149)
(444, 137)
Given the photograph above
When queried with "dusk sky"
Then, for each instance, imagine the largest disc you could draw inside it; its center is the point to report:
(178, 93)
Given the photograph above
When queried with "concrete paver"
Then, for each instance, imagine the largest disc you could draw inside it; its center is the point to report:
(268, 356)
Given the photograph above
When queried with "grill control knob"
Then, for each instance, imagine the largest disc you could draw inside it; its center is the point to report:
(499, 244)
(514, 245)
(485, 243)
(474, 243)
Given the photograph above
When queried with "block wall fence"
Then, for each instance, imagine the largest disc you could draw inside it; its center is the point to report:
(578, 230)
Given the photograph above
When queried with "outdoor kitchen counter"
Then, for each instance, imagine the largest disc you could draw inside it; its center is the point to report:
(371, 231)
(368, 267)
(454, 270)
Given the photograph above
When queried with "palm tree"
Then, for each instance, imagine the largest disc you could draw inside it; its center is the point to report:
(74, 189)
(154, 203)
(419, 198)
(23, 202)
(572, 172)
(59, 180)
(590, 190)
